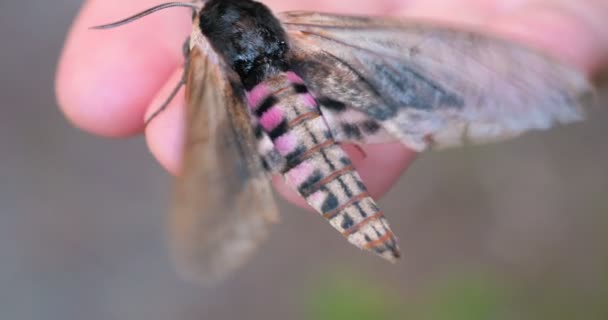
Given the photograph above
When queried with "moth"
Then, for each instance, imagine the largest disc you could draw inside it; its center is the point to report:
(277, 94)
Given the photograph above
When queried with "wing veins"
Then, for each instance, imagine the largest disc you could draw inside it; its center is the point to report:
(347, 44)
(375, 27)
(359, 75)
(453, 49)
(400, 60)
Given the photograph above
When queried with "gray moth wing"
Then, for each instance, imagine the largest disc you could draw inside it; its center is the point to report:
(381, 80)
(223, 203)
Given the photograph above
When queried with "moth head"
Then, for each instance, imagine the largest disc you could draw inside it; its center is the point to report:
(195, 5)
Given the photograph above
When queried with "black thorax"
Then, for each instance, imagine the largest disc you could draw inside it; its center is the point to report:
(248, 36)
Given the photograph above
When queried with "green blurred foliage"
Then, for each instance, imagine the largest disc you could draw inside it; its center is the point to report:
(470, 297)
(348, 297)
(458, 297)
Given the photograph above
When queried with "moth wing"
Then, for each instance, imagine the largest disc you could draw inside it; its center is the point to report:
(429, 85)
(223, 203)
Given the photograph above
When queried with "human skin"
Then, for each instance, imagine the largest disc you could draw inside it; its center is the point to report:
(108, 81)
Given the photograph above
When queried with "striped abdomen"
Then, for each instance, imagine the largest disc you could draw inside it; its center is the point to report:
(296, 141)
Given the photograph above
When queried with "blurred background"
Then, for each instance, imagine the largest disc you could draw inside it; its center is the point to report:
(509, 231)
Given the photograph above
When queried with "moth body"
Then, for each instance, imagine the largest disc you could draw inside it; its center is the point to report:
(292, 135)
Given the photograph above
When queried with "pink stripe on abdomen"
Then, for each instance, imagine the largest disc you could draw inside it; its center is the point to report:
(294, 78)
(300, 173)
(257, 95)
(271, 118)
(286, 143)
(309, 100)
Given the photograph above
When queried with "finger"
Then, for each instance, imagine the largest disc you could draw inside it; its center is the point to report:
(570, 31)
(576, 36)
(379, 166)
(165, 133)
(106, 78)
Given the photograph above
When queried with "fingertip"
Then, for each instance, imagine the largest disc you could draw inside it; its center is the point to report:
(380, 165)
(557, 32)
(94, 99)
(106, 78)
(165, 132)
(570, 31)
(288, 193)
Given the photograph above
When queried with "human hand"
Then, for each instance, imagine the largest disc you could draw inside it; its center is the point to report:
(108, 81)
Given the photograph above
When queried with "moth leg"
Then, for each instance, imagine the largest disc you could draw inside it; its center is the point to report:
(182, 81)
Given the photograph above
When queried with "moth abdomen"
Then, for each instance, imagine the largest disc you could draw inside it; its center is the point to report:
(315, 165)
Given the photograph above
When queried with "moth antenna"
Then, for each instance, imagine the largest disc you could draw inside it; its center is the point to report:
(182, 82)
(146, 12)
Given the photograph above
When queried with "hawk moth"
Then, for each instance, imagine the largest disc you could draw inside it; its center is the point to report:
(270, 94)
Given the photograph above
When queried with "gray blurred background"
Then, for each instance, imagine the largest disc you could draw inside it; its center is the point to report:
(508, 231)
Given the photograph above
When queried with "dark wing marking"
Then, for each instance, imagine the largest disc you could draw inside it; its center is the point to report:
(426, 83)
(348, 124)
(223, 203)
